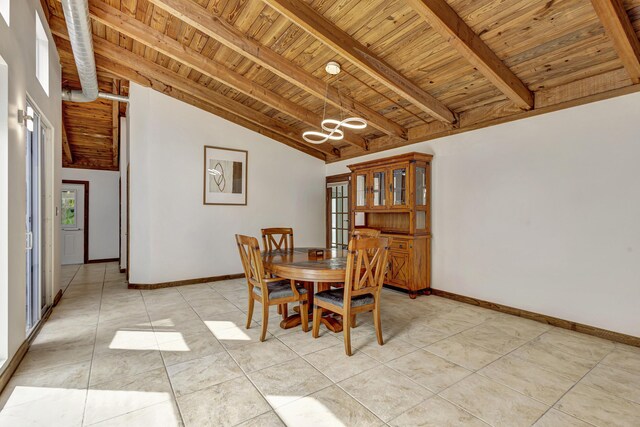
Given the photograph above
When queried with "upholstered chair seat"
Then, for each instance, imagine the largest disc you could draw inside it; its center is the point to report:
(280, 290)
(336, 297)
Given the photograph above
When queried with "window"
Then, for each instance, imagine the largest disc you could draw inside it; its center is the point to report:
(42, 55)
(68, 208)
(4, 10)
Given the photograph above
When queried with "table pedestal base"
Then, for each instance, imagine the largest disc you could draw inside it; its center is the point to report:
(333, 324)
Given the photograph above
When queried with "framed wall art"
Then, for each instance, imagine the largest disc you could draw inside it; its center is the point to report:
(225, 176)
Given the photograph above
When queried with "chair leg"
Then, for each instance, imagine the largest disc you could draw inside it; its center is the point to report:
(279, 309)
(250, 312)
(304, 315)
(346, 331)
(353, 321)
(317, 314)
(265, 321)
(377, 324)
(284, 308)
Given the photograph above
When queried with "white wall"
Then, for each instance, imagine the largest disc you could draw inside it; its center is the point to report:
(542, 214)
(18, 50)
(173, 235)
(104, 210)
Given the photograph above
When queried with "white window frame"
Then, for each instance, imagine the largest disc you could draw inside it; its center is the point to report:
(42, 55)
(5, 11)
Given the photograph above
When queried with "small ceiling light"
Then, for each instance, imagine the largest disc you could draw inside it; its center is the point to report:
(332, 68)
(331, 127)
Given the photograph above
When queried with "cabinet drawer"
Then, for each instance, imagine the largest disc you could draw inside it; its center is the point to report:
(399, 244)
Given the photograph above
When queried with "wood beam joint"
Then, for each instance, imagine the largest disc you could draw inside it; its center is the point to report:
(460, 36)
(619, 28)
(364, 58)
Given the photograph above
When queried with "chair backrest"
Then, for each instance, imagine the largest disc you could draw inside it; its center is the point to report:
(366, 266)
(251, 261)
(277, 239)
(359, 233)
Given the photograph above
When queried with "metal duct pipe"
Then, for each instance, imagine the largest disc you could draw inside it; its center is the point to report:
(78, 96)
(76, 14)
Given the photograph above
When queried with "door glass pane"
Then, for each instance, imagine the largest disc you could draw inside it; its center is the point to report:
(34, 221)
(339, 216)
(361, 190)
(68, 208)
(379, 198)
(399, 186)
(421, 186)
(421, 220)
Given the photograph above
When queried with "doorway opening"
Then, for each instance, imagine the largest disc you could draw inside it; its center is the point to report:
(74, 222)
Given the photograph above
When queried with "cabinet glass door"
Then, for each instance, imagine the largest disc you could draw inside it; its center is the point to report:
(399, 186)
(421, 186)
(379, 181)
(361, 190)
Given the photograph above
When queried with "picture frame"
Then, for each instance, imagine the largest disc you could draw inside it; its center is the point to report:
(225, 176)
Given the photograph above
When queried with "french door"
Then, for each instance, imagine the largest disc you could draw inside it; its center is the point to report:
(35, 227)
(338, 211)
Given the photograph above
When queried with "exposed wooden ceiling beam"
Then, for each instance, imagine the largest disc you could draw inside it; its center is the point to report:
(590, 89)
(146, 70)
(446, 21)
(361, 56)
(115, 127)
(618, 26)
(66, 148)
(234, 39)
(172, 48)
(107, 65)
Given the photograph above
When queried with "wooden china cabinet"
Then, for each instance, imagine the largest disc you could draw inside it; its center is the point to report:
(393, 195)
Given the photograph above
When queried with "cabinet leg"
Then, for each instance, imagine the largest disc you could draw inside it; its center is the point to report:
(413, 294)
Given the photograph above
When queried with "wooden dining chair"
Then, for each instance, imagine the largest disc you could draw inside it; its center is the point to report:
(277, 239)
(268, 290)
(365, 271)
(359, 233)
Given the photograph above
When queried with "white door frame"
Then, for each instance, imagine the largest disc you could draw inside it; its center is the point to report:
(86, 214)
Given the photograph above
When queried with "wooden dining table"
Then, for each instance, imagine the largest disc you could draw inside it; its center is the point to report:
(315, 273)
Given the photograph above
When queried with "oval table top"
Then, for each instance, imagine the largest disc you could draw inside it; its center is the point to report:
(297, 265)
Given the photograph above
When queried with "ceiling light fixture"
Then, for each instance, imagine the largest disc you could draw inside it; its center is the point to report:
(332, 127)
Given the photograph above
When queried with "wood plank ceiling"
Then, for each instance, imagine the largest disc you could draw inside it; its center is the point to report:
(415, 69)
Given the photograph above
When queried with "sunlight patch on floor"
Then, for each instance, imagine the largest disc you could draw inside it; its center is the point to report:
(306, 411)
(145, 340)
(227, 331)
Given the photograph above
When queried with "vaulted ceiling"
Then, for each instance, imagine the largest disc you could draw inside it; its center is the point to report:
(414, 69)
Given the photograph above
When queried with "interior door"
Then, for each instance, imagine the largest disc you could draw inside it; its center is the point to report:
(72, 220)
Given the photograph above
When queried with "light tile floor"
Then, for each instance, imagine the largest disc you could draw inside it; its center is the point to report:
(182, 356)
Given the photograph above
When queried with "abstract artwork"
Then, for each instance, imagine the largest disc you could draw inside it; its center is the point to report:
(225, 176)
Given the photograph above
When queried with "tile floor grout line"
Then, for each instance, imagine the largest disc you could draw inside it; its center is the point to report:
(95, 339)
(106, 294)
(251, 381)
(164, 364)
(333, 383)
(476, 371)
(563, 395)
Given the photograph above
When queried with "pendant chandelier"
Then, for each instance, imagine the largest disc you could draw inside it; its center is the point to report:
(332, 129)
